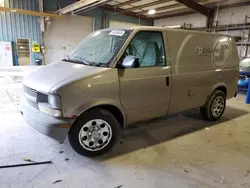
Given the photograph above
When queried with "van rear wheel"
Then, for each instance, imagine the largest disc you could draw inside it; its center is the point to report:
(215, 106)
(94, 133)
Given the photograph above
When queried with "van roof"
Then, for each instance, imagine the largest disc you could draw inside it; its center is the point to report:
(170, 29)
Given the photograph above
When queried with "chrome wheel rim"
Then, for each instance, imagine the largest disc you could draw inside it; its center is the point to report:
(95, 135)
(218, 106)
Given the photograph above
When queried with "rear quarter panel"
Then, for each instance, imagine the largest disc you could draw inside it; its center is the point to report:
(200, 63)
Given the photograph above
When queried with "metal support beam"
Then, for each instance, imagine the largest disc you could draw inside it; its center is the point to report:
(80, 5)
(42, 28)
(103, 19)
(91, 7)
(177, 5)
(173, 13)
(187, 11)
(126, 3)
(121, 11)
(148, 5)
(210, 20)
(195, 6)
(29, 12)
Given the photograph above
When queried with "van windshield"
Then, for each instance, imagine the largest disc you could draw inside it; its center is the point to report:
(99, 47)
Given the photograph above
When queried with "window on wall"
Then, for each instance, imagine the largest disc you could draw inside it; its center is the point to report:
(148, 48)
(23, 51)
(23, 47)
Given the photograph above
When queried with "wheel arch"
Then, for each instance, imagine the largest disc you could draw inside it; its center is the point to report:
(221, 87)
(114, 108)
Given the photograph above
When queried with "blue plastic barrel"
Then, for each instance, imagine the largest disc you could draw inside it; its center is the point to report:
(248, 93)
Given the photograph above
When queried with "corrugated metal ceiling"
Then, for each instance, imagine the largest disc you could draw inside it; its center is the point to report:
(164, 6)
(140, 7)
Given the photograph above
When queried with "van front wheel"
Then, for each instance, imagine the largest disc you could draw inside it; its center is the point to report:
(94, 133)
(215, 106)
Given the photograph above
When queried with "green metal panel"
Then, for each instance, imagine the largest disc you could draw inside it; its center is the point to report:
(125, 18)
(98, 15)
(14, 25)
(54, 5)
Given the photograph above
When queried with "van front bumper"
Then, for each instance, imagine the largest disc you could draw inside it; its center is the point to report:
(48, 125)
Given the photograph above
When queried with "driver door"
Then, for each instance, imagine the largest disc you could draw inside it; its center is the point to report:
(145, 88)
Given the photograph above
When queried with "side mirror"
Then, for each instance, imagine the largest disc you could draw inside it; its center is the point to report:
(128, 62)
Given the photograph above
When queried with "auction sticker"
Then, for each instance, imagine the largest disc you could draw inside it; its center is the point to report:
(117, 32)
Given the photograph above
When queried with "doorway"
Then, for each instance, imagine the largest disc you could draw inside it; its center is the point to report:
(23, 51)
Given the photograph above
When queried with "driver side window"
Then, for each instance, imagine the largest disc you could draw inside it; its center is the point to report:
(148, 48)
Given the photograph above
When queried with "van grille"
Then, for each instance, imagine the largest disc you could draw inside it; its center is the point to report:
(30, 92)
(33, 104)
(31, 96)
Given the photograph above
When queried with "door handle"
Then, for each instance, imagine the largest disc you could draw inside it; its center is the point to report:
(167, 80)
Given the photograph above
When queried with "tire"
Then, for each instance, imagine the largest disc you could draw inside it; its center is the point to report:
(215, 106)
(90, 128)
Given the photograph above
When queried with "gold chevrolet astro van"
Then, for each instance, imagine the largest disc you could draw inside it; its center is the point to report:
(116, 77)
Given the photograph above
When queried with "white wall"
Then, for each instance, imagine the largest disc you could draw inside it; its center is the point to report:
(227, 16)
(197, 20)
(117, 24)
(233, 15)
(64, 34)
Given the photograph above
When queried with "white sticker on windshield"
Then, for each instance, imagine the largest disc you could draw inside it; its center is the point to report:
(117, 32)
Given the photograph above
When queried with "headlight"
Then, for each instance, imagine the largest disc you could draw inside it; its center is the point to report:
(54, 101)
(46, 108)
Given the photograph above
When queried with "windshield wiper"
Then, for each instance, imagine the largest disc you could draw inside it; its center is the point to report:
(100, 64)
(78, 61)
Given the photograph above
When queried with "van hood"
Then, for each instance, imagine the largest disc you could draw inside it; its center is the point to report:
(50, 75)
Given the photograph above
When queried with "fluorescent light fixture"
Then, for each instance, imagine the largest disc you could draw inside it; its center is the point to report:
(173, 26)
(151, 12)
(13, 10)
(21, 47)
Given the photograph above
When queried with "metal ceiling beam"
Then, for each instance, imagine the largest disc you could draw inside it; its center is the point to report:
(232, 5)
(126, 3)
(195, 6)
(229, 27)
(80, 4)
(91, 7)
(29, 12)
(174, 13)
(177, 5)
(187, 11)
(210, 19)
(121, 11)
(148, 5)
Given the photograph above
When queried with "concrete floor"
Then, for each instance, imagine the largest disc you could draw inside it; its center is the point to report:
(181, 151)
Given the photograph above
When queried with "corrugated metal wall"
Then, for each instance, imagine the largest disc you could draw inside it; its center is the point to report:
(14, 25)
